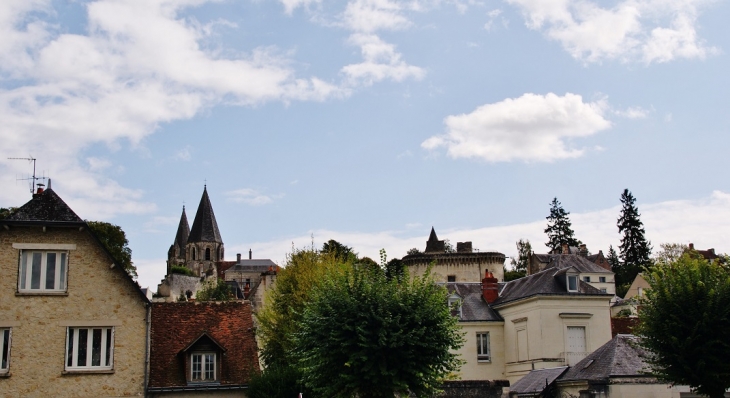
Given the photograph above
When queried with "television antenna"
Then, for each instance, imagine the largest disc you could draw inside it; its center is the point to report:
(32, 179)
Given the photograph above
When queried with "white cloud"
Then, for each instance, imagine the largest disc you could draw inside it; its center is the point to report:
(141, 64)
(368, 16)
(531, 128)
(183, 154)
(631, 30)
(381, 62)
(251, 197)
(636, 112)
(493, 15)
(291, 5)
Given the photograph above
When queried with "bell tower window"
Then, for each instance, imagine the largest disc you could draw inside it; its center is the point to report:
(193, 253)
(207, 253)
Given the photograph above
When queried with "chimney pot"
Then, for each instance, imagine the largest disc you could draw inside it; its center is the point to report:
(691, 246)
(490, 288)
(238, 257)
(250, 253)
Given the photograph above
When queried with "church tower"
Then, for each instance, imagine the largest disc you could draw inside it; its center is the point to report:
(176, 254)
(204, 245)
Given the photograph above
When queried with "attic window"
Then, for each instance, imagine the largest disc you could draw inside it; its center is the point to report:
(451, 278)
(202, 367)
(455, 305)
(572, 283)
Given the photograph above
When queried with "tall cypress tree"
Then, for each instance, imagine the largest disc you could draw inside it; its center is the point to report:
(634, 250)
(559, 230)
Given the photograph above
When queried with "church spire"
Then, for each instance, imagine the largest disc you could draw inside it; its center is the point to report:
(205, 227)
(183, 231)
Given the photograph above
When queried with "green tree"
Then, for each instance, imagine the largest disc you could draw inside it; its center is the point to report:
(6, 212)
(217, 290)
(413, 251)
(524, 251)
(615, 264)
(342, 252)
(669, 252)
(277, 381)
(114, 240)
(366, 336)
(559, 229)
(634, 250)
(278, 320)
(685, 323)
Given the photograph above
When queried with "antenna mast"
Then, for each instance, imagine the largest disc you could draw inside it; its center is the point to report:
(32, 179)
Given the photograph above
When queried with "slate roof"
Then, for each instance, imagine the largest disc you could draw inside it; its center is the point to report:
(45, 207)
(205, 227)
(580, 263)
(183, 232)
(533, 383)
(473, 307)
(176, 326)
(621, 356)
(546, 282)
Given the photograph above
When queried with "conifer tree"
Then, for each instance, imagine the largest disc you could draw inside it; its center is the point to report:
(559, 230)
(524, 250)
(634, 250)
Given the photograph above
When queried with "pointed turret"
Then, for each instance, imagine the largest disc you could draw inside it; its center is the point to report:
(205, 227)
(181, 238)
(433, 244)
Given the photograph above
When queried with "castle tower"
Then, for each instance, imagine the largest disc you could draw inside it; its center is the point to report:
(204, 244)
(176, 254)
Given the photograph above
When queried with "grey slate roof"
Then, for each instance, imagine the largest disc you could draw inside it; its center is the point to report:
(205, 227)
(255, 265)
(183, 232)
(46, 207)
(580, 263)
(536, 381)
(621, 356)
(549, 281)
(473, 307)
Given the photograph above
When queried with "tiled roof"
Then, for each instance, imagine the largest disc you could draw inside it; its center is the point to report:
(545, 282)
(255, 265)
(536, 381)
(473, 307)
(177, 325)
(205, 227)
(622, 356)
(183, 231)
(580, 263)
(46, 207)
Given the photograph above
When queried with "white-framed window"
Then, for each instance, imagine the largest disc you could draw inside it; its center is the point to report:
(602, 279)
(89, 348)
(5, 350)
(483, 346)
(42, 271)
(455, 305)
(572, 283)
(202, 367)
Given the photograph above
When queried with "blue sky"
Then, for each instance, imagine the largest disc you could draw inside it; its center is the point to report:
(369, 121)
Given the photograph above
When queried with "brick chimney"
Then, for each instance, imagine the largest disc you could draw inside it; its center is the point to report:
(490, 288)
(583, 251)
(691, 246)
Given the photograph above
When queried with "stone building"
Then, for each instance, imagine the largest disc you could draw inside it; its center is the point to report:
(72, 322)
(463, 265)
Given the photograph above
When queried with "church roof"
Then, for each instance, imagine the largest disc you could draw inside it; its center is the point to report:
(205, 228)
(183, 231)
(46, 206)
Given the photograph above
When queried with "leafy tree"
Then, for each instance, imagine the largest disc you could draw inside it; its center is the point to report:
(179, 269)
(413, 251)
(114, 240)
(277, 381)
(510, 275)
(634, 250)
(342, 252)
(685, 323)
(394, 268)
(448, 247)
(217, 290)
(279, 318)
(670, 252)
(6, 212)
(615, 263)
(366, 336)
(559, 230)
(524, 251)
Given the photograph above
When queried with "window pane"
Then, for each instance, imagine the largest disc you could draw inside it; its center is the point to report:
(23, 269)
(69, 355)
(96, 348)
(35, 273)
(108, 347)
(62, 277)
(5, 344)
(479, 344)
(83, 341)
(572, 283)
(209, 367)
(196, 366)
(50, 270)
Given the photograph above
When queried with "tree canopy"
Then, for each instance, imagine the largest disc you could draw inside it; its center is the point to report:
(367, 336)
(114, 240)
(634, 250)
(6, 212)
(559, 229)
(685, 323)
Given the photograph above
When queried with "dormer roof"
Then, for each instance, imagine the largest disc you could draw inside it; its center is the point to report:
(205, 227)
(46, 207)
(204, 338)
(548, 282)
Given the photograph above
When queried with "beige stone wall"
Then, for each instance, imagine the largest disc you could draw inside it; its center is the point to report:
(200, 394)
(609, 285)
(467, 272)
(96, 294)
(472, 369)
(545, 329)
(639, 282)
(643, 391)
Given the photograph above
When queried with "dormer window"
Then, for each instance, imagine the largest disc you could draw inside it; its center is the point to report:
(202, 360)
(572, 283)
(202, 367)
(455, 305)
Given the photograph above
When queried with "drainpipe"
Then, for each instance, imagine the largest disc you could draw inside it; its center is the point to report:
(148, 320)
